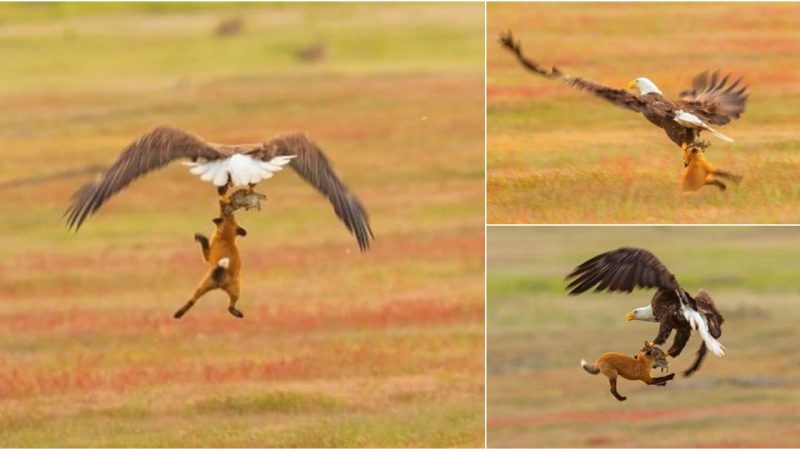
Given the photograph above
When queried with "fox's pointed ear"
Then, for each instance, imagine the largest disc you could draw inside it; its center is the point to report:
(648, 344)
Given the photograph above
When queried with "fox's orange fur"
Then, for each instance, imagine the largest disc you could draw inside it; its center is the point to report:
(699, 172)
(614, 364)
(223, 260)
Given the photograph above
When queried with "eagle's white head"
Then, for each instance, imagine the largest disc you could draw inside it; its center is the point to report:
(644, 313)
(644, 85)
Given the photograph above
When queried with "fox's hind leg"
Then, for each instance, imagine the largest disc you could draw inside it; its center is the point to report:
(728, 176)
(233, 290)
(613, 382)
(206, 285)
(717, 183)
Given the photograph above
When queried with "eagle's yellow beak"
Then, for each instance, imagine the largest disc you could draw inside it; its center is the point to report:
(632, 84)
(630, 316)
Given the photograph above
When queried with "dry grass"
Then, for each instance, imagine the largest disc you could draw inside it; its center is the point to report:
(556, 155)
(337, 348)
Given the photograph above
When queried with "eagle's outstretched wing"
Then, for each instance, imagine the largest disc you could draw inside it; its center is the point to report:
(312, 165)
(151, 151)
(619, 97)
(623, 269)
(713, 99)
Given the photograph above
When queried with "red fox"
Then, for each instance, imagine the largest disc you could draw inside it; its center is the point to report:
(699, 172)
(223, 260)
(612, 364)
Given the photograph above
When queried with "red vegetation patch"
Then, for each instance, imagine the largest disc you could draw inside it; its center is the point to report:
(319, 360)
(466, 247)
(19, 382)
(397, 312)
(406, 246)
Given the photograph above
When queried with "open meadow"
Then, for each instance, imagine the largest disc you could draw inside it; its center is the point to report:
(337, 348)
(559, 155)
(538, 396)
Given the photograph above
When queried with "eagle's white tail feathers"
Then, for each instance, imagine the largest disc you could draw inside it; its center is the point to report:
(698, 322)
(689, 120)
(718, 134)
(242, 169)
(224, 263)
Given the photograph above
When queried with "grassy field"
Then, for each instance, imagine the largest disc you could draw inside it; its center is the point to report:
(558, 155)
(336, 348)
(539, 396)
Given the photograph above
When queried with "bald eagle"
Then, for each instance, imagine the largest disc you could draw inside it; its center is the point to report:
(224, 166)
(672, 307)
(711, 100)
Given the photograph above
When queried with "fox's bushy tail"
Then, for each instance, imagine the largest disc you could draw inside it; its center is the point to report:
(589, 368)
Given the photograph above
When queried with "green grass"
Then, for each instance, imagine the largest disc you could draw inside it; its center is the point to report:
(277, 402)
(538, 396)
(337, 348)
(556, 155)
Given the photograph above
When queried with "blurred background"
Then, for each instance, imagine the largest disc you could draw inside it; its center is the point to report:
(559, 155)
(538, 396)
(337, 348)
